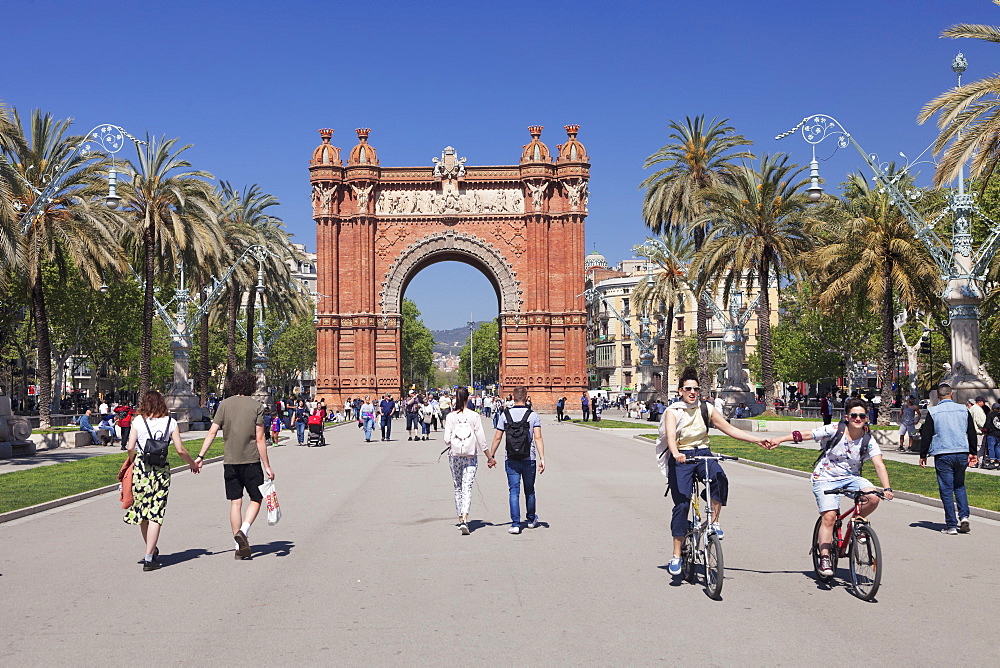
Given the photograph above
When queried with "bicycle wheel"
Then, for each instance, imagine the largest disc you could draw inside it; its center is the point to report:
(713, 566)
(815, 553)
(866, 562)
(689, 554)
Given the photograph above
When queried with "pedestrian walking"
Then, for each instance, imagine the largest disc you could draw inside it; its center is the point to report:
(464, 436)
(244, 456)
(275, 429)
(300, 414)
(585, 406)
(525, 455)
(386, 408)
(411, 406)
(123, 422)
(444, 403)
(426, 417)
(150, 484)
(367, 418)
(949, 435)
(909, 416)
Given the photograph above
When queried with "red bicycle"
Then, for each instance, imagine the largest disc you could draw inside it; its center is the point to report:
(858, 543)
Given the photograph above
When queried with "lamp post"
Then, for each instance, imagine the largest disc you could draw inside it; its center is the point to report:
(106, 138)
(472, 330)
(963, 269)
(181, 400)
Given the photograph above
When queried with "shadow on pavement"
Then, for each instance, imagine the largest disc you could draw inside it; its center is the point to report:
(924, 524)
(279, 548)
(479, 524)
(187, 555)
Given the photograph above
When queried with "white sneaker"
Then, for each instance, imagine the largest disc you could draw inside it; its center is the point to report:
(718, 530)
(533, 524)
(950, 531)
(514, 528)
(674, 567)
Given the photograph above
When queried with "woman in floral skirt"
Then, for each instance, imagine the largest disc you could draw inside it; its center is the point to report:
(150, 484)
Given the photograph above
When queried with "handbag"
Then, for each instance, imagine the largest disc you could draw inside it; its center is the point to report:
(270, 495)
(154, 452)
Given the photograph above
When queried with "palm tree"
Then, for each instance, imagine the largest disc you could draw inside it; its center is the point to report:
(970, 118)
(759, 235)
(873, 256)
(672, 257)
(699, 157)
(8, 216)
(171, 217)
(72, 229)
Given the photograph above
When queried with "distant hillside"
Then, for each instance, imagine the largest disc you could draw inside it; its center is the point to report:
(451, 340)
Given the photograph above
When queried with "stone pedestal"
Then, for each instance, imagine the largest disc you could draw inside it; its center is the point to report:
(14, 432)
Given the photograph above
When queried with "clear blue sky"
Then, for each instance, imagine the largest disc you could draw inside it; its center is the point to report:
(248, 84)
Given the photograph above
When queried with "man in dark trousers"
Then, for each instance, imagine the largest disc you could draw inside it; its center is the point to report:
(949, 435)
(826, 409)
(241, 419)
(387, 407)
(585, 406)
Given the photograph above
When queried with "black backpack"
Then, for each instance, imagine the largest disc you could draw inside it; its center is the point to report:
(518, 435)
(829, 444)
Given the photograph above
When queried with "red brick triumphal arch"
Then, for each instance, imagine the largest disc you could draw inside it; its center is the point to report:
(521, 225)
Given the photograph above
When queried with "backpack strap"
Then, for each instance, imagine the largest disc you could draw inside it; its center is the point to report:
(524, 418)
(508, 419)
(704, 413)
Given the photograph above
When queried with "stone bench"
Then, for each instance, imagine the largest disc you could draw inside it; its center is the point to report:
(66, 439)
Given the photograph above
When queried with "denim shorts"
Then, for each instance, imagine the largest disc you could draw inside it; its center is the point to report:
(827, 502)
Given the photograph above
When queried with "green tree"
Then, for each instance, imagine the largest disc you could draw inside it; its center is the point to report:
(873, 256)
(699, 157)
(760, 236)
(171, 217)
(417, 354)
(293, 354)
(70, 229)
(485, 355)
(672, 256)
(969, 118)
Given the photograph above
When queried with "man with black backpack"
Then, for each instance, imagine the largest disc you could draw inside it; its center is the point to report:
(525, 448)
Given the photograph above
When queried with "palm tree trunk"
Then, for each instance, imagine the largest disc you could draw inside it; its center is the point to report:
(44, 369)
(888, 362)
(203, 359)
(251, 307)
(764, 334)
(234, 308)
(666, 348)
(149, 239)
(704, 377)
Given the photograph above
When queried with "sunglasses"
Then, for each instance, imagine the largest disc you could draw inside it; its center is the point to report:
(858, 416)
(691, 389)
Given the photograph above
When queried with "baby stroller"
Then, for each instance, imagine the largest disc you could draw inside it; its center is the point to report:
(314, 423)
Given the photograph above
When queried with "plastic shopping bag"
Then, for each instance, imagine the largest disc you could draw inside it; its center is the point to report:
(271, 501)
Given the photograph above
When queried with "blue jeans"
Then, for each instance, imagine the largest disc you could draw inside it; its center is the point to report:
(950, 470)
(425, 428)
(518, 469)
(369, 424)
(386, 426)
(93, 436)
(300, 432)
(993, 447)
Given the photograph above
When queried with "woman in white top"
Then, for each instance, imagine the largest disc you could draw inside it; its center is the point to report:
(463, 434)
(367, 418)
(150, 484)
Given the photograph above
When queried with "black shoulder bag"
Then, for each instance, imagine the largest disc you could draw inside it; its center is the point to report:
(154, 453)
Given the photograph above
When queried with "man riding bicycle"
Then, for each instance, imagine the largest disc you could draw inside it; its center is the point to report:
(684, 433)
(843, 450)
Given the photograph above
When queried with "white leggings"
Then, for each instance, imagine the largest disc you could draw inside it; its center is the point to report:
(463, 474)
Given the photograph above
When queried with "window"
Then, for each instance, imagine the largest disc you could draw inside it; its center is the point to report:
(625, 311)
(626, 355)
(605, 356)
(627, 379)
(680, 325)
(716, 351)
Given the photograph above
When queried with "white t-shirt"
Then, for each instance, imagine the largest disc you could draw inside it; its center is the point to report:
(156, 425)
(516, 414)
(844, 459)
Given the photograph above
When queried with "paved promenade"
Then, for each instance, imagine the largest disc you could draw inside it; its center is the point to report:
(367, 568)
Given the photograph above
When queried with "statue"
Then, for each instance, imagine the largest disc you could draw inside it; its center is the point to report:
(362, 193)
(538, 193)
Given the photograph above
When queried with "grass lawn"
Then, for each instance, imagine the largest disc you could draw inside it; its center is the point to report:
(613, 424)
(783, 418)
(30, 487)
(54, 430)
(984, 490)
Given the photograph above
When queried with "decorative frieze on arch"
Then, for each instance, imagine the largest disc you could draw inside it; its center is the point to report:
(451, 245)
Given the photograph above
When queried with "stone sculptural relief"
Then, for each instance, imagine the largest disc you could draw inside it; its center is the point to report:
(430, 202)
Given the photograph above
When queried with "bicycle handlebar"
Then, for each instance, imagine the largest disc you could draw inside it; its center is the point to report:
(719, 458)
(855, 494)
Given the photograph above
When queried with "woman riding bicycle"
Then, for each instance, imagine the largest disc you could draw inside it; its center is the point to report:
(683, 434)
(839, 465)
